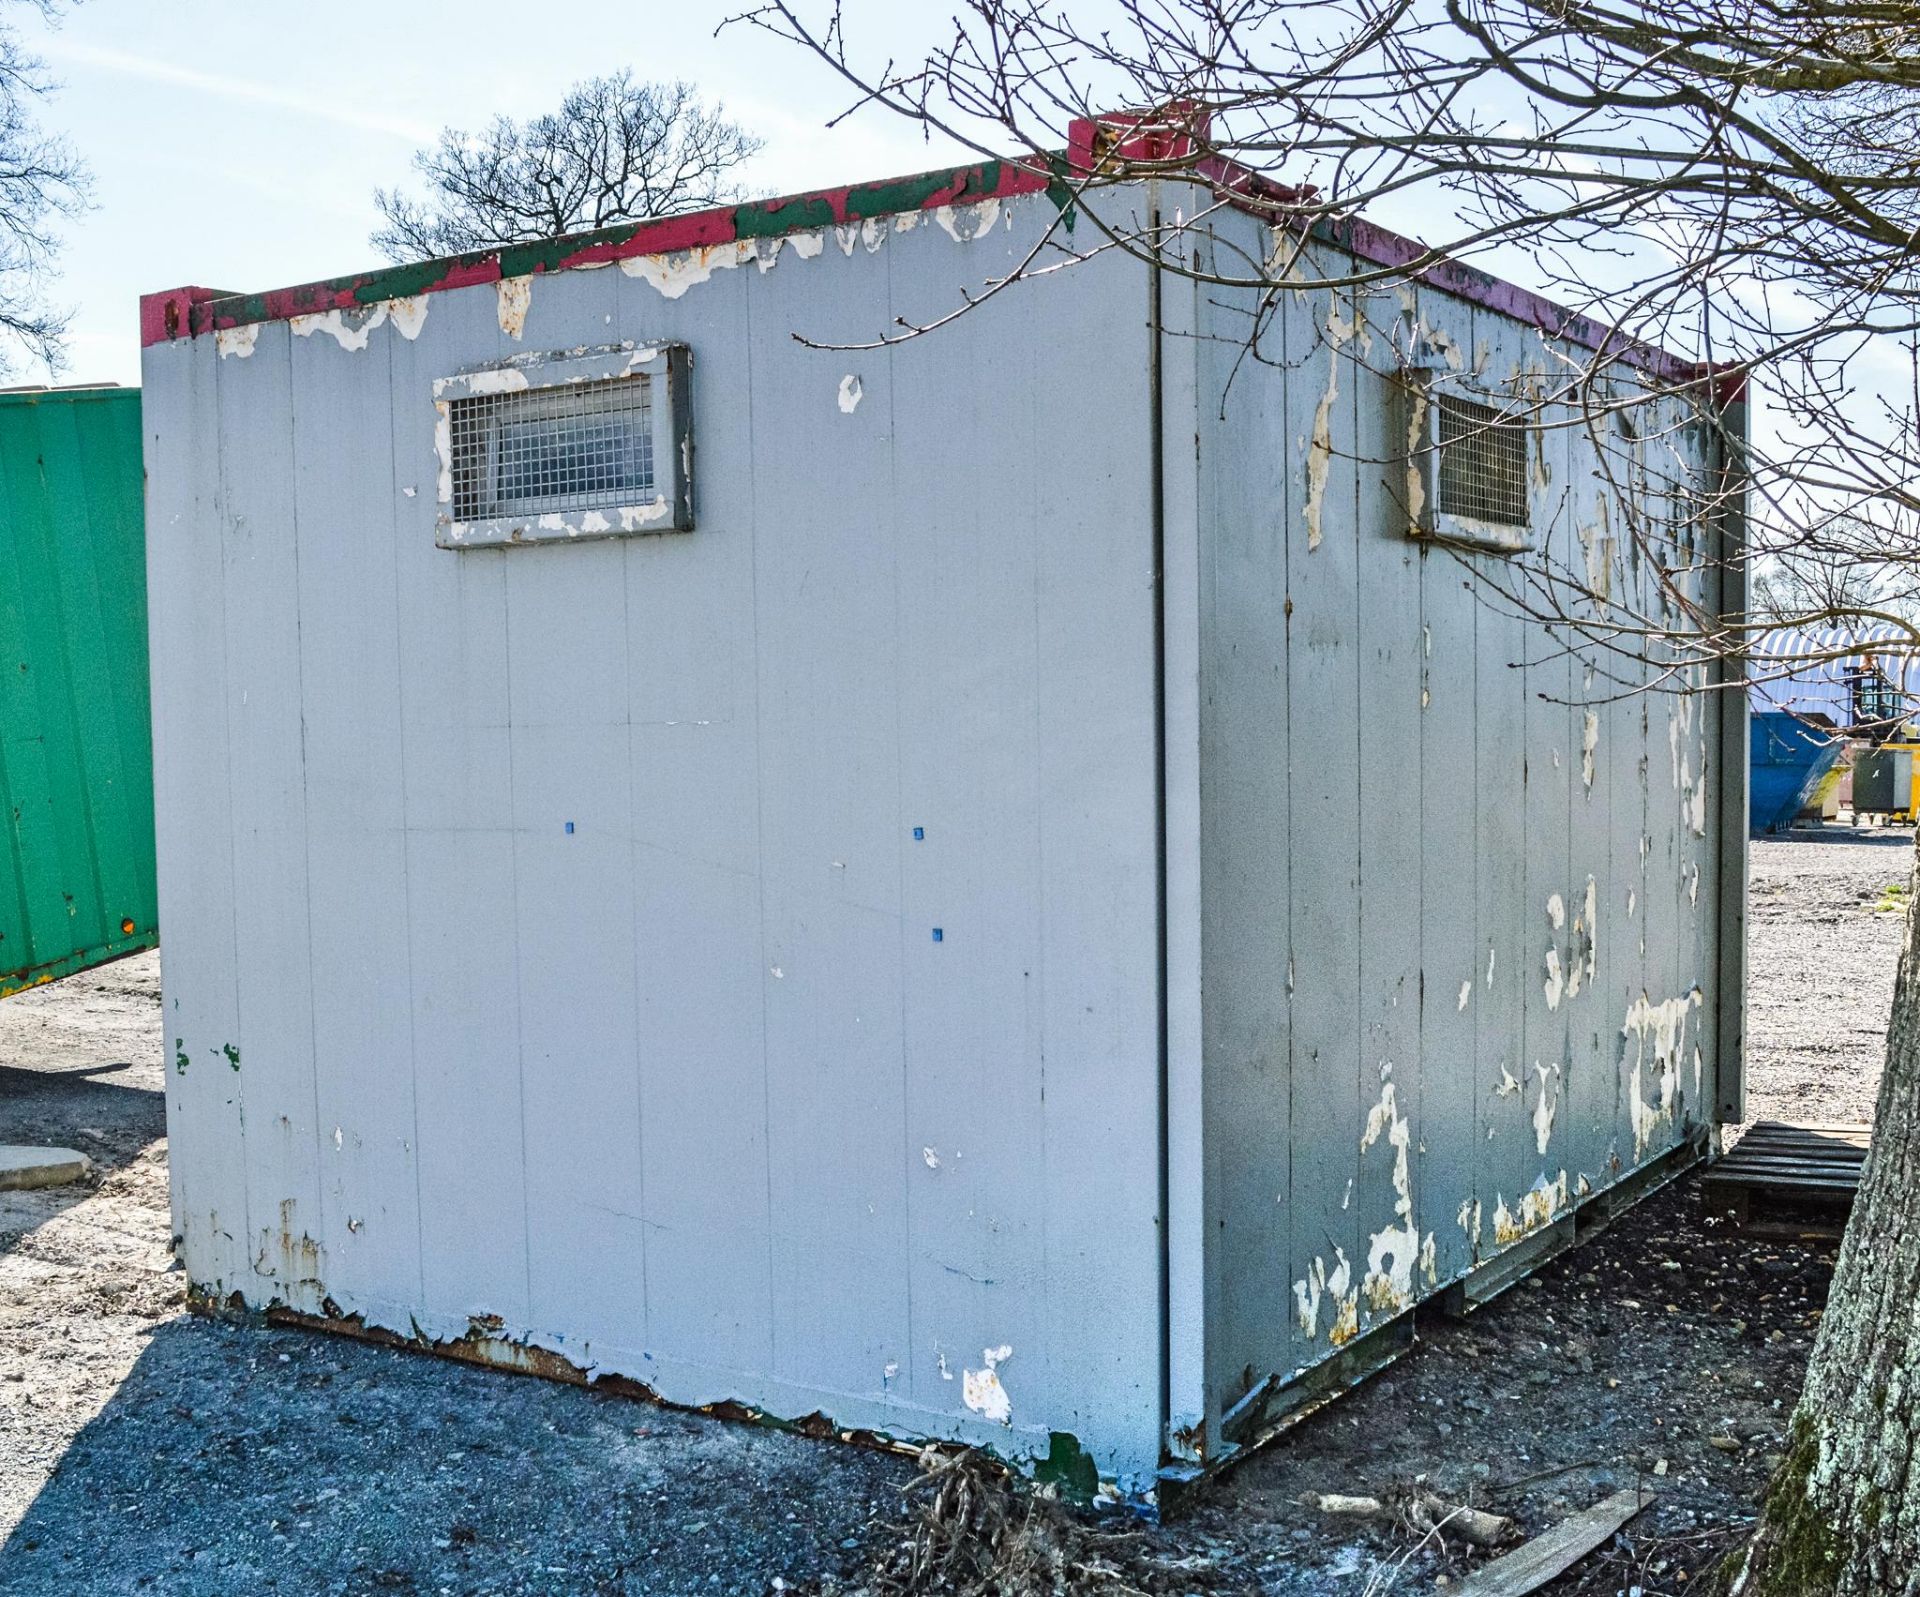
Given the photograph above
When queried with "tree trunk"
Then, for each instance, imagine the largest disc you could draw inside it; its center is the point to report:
(1842, 1514)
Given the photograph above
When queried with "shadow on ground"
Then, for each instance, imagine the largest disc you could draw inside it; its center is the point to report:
(240, 1460)
(113, 1122)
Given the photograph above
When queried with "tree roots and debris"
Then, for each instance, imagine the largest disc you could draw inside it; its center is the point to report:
(976, 1532)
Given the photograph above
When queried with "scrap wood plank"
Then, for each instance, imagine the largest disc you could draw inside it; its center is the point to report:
(1555, 1551)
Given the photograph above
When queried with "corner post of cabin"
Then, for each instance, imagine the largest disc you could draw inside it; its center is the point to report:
(1191, 1275)
(1730, 551)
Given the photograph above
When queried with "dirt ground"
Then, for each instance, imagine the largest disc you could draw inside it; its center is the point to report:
(143, 1449)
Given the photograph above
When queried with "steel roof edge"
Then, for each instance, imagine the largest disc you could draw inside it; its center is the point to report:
(190, 312)
(1133, 147)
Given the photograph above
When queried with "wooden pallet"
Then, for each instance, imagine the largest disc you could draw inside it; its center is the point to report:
(1784, 1166)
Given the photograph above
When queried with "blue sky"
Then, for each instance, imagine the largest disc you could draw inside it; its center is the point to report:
(237, 143)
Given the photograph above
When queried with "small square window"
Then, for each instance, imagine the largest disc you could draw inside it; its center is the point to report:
(557, 448)
(583, 447)
(1468, 463)
(1483, 463)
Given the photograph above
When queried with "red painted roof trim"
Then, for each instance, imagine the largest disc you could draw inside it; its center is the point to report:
(1127, 142)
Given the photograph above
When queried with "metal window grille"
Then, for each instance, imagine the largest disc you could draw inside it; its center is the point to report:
(581, 446)
(1483, 463)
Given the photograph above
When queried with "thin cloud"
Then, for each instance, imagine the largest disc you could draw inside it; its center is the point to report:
(135, 66)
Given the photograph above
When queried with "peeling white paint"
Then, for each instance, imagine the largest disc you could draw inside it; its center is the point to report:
(237, 341)
(1320, 448)
(1538, 1207)
(1556, 983)
(1656, 1035)
(1490, 957)
(1333, 1284)
(1546, 1106)
(634, 517)
(964, 223)
(514, 297)
(443, 450)
(1583, 956)
(1589, 745)
(1466, 991)
(1393, 1251)
(1509, 1083)
(981, 1390)
(407, 316)
(1556, 911)
(1416, 482)
(352, 330)
(1443, 341)
(1469, 1221)
(494, 380)
(851, 391)
(932, 1158)
(672, 275)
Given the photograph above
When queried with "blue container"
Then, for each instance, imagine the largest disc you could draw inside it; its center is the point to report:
(1788, 758)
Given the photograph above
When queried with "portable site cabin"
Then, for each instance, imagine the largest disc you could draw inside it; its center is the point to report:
(76, 763)
(702, 858)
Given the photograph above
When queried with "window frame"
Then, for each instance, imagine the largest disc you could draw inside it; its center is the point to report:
(1425, 393)
(666, 368)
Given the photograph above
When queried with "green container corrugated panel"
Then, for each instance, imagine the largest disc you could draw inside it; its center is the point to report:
(76, 757)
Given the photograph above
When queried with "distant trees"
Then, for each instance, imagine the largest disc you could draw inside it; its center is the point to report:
(42, 181)
(616, 150)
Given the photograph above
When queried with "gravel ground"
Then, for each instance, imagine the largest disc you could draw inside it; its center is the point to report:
(143, 1449)
(1824, 926)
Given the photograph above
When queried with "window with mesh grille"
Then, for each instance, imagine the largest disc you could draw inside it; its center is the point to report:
(580, 446)
(1483, 463)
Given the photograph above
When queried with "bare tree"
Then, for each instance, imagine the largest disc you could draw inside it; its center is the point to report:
(42, 182)
(1735, 179)
(615, 151)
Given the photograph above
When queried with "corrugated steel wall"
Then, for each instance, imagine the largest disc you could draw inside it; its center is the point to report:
(549, 942)
(1460, 884)
(76, 765)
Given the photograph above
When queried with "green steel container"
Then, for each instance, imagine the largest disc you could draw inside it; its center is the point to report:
(76, 757)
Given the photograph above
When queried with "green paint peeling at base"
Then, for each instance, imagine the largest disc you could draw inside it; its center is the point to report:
(180, 1055)
(232, 1054)
(1068, 1468)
